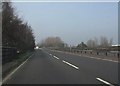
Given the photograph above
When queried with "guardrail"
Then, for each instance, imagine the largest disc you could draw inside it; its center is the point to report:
(8, 54)
(99, 53)
(92, 52)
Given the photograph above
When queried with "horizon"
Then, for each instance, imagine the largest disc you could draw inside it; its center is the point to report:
(73, 22)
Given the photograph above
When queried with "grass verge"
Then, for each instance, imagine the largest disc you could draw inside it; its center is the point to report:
(9, 67)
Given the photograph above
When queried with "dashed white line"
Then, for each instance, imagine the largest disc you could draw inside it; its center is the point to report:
(56, 57)
(50, 54)
(105, 82)
(7, 77)
(70, 64)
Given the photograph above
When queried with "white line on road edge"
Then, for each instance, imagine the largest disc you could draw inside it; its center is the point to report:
(56, 57)
(102, 59)
(70, 64)
(109, 60)
(98, 58)
(105, 82)
(94, 58)
(8, 76)
(89, 56)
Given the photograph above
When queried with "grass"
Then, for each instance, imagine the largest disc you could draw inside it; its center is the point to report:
(15, 63)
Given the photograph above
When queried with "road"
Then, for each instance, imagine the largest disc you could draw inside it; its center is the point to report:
(49, 67)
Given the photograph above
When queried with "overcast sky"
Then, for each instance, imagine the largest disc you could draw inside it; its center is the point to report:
(72, 21)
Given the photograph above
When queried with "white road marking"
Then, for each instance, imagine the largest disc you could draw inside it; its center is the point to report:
(8, 76)
(50, 54)
(56, 57)
(105, 82)
(89, 56)
(102, 59)
(109, 60)
(70, 64)
(94, 57)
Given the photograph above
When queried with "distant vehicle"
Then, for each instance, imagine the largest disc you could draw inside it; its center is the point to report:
(36, 47)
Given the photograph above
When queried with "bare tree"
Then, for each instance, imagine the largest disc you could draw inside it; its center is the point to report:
(104, 42)
(91, 43)
(95, 42)
(52, 42)
(111, 42)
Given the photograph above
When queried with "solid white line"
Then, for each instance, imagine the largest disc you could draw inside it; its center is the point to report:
(105, 82)
(101, 59)
(7, 77)
(70, 64)
(109, 60)
(56, 57)
(93, 58)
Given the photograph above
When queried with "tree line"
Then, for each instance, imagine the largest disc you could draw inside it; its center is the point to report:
(57, 42)
(15, 32)
(95, 43)
(102, 42)
(52, 42)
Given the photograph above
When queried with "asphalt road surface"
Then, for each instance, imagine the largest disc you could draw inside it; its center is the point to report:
(49, 67)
